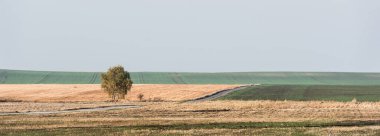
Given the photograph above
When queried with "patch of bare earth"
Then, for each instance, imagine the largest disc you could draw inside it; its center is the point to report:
(93, 92)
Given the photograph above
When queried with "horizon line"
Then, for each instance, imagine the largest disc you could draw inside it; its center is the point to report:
(277, 71)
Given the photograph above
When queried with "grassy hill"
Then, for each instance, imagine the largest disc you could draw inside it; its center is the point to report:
(279, 78)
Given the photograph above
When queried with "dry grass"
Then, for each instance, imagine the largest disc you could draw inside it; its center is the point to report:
(32, 106)
(262, 111)
(174, 113)
(334, 131)
(211, 112)
(93, 92)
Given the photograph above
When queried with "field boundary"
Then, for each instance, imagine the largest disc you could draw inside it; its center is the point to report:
(218, 94)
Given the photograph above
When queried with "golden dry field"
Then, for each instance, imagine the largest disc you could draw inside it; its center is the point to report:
(93, 92)
(207, 118)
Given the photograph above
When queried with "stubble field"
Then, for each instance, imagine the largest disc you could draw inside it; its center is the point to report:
(207, 118)
(93, 92)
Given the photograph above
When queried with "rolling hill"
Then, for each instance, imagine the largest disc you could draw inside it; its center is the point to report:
(272, 78)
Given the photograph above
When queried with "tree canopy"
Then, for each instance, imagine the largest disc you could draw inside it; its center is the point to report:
(116, 82)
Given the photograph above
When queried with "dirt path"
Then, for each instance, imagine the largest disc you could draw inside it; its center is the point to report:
(218, 94)
(103, 108)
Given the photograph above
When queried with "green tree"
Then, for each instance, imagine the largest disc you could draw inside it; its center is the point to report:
(116, 82)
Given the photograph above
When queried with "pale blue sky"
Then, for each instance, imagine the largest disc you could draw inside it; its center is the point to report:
(191, 35)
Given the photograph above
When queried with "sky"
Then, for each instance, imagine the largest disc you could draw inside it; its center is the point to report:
(191, 35)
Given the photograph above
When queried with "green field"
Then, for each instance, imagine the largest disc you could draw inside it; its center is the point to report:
(279, 78)
(307, 93)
